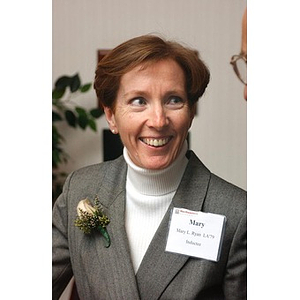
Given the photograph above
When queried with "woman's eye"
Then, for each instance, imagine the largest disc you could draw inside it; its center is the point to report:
(175, 100)
(138, 102)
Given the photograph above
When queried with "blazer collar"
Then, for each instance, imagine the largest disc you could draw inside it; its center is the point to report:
(158, 267)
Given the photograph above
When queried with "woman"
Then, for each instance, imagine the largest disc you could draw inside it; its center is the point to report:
(148, 88)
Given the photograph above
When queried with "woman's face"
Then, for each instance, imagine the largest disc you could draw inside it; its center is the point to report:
(152, 114)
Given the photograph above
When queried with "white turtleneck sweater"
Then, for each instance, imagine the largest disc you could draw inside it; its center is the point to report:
(148, 196)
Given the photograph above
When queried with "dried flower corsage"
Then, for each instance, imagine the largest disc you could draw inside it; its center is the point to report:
(91, 217)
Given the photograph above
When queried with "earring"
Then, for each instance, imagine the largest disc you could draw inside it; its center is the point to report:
(113, 131)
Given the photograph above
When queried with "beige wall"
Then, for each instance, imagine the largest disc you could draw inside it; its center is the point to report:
(218, 134)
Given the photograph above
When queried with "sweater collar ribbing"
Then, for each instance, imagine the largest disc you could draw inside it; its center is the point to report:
(156, 182)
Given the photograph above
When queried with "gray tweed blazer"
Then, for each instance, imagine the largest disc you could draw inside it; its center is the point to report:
(107, 273)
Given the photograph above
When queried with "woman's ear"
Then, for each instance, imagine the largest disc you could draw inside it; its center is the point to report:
(110, 117)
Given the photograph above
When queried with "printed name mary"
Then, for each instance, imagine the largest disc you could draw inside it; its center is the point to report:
(195, 223)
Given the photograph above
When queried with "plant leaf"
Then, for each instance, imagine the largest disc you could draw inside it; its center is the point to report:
(57, 93)
(96, 112)
(92, 125)
(57, 138)
(85, 87)
(56, 116)
(81, 111)
(71, 118)
(75, 83)
(63, 82)
(83, 121)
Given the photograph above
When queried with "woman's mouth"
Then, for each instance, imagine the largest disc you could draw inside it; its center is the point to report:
(156, 142)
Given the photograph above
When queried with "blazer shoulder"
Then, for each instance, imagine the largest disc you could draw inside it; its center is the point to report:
(219, 192)
(226, 187)
(96, 171)
(226, 197)
(89, 181)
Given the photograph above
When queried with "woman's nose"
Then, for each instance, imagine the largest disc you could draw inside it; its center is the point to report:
(158, 118)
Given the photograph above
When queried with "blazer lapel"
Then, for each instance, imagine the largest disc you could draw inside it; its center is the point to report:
(119, 273)
(158, 267)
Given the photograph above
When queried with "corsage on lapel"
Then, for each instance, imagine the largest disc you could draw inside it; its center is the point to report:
(91, 217)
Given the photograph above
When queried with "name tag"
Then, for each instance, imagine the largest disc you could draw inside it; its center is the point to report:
(196, 233)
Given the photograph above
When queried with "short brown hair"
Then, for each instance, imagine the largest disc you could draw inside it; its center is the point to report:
(146, 49)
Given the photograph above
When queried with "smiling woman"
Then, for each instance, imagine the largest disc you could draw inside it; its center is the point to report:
(151, 113)
(148, 88)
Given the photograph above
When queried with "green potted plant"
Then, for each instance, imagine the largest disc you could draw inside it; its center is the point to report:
(76, 116)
